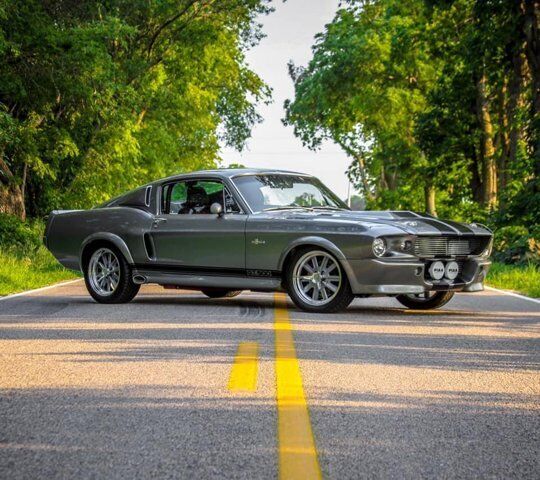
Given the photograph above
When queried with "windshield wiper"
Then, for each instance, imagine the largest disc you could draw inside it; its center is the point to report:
(327, 207)
(286, 207)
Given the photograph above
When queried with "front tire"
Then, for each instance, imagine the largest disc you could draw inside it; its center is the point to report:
(427, 301)
(317, 283)
(108, 276)
(221, 293)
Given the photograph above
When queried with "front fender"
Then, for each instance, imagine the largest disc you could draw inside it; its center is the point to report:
(308, 241)
(325, 244)
(109, 237)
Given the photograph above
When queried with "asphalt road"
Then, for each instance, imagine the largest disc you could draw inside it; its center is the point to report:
(142, 390)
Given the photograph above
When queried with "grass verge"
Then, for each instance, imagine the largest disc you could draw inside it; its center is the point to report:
(39, 269)
(25, 272)
(524, 279)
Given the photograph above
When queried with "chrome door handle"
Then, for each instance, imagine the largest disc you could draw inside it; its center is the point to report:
(157, 221)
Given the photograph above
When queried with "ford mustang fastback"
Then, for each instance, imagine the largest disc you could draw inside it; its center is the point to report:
(224, 231)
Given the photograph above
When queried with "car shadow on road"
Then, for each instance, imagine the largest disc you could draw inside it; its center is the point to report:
(150, 431)
(158, 431)
(132, 334)
(432, 434)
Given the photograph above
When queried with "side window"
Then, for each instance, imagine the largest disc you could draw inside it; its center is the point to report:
(213, 191)
(165, 198)
(191, 197)
(230, 203)
(178, 197)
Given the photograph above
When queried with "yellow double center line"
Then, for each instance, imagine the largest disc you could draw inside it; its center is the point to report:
(297, 452)
(244, 371)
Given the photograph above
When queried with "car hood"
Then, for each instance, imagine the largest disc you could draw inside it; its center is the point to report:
(406, 221)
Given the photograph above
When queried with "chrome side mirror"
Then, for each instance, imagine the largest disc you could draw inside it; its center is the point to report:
(216, 209)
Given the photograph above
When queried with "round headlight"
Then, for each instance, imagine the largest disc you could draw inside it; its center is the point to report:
(379, 247)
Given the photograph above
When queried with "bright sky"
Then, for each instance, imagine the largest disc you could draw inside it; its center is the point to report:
(290, 32)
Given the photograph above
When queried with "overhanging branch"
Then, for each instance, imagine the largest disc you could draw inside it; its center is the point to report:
(167, 23)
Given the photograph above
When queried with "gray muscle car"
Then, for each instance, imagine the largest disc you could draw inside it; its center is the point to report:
(224, 231)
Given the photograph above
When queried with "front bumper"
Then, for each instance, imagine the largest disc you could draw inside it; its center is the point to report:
(394, 276)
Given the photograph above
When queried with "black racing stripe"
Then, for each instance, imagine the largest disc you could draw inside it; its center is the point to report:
(189, 270)
(404, 214)
(459, 226)
(213, 271)
(441, 226)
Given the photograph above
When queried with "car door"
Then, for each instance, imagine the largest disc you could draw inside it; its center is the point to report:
(186, 234)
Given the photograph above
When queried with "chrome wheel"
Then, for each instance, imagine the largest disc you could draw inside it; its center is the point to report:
(104, 271)
(317, 278)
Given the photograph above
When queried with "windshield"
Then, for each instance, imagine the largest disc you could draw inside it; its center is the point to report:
(264, 192)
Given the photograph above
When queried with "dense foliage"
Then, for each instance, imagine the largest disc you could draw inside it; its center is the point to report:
(437, 102)
(97, 96)
(18, 236)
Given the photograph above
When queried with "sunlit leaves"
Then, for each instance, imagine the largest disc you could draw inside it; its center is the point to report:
(125, 91)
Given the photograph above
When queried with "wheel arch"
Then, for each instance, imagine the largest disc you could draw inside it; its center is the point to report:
(316, 242)
(103, 238)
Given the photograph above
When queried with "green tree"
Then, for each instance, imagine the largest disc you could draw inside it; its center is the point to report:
(98, 96)
(363, 88)
(429, 95)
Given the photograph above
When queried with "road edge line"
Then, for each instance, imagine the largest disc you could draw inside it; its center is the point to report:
(512, 294)
(41, 289)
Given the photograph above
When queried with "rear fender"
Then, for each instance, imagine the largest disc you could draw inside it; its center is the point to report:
(108, 237)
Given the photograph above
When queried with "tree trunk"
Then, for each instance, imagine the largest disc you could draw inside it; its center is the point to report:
(502, 138)
(489, 164)
(514, 93)
(390, 177)
(532, 50)
(12, 201)
(368, 195)
(429, 192)
(358, 156)
(476, 179)
(11, 195)
(383, 185)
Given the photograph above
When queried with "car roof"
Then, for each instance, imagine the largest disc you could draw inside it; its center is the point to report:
(230, 173)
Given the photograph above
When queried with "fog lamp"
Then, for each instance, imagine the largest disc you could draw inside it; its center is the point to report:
(379, 247)
(436, 270)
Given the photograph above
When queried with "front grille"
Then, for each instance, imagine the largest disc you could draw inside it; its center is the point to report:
(450, 246)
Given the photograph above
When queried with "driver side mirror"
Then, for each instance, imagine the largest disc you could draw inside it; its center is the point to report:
(216, 209)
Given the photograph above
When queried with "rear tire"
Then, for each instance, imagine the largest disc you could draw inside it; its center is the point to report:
(107, 276)
(220, 293)
(437, 300)
(316, 282)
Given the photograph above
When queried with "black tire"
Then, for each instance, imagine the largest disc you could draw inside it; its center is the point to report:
(343, 296)
(436, 300)
(220, 293)
(125, 290)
